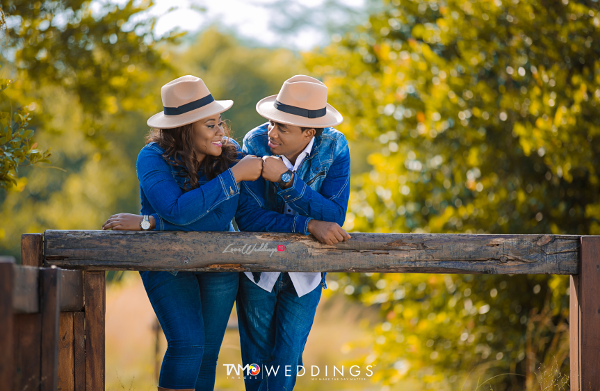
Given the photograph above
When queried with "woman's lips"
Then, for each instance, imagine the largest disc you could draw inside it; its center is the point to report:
(217, 143)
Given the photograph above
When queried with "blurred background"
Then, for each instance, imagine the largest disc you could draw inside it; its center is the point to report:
(462, 116)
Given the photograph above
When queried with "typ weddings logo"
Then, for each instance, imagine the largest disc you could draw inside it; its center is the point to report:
(253, 369)
(336, 372)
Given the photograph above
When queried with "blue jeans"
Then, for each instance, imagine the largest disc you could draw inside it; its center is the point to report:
(273, 329)
(193, 310)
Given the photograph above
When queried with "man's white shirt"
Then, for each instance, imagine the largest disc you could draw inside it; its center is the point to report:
(303, 282)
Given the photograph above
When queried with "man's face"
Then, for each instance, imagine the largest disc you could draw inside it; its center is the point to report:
(288, 140)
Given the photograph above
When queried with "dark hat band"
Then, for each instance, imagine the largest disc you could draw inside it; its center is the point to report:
(189, 106)
(300, 111)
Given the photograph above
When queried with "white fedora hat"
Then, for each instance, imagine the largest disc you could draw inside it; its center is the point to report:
(302, 101)
(186, 100)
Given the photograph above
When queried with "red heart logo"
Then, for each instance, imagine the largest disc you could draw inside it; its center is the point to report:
(281, 247)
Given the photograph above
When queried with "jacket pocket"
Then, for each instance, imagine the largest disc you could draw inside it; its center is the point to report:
(319, 174)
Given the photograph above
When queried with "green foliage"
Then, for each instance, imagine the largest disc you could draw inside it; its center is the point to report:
(234, 71)
(15, 137)
(486, 115)
(88, 75)
(15, 143)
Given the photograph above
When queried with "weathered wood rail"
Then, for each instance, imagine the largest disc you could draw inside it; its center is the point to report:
(96, 251)
(365, 252)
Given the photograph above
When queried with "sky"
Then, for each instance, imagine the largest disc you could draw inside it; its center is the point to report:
(256, 19)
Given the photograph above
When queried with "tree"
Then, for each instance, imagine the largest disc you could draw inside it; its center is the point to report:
(486, 115)
(14, 137)
(83, 72)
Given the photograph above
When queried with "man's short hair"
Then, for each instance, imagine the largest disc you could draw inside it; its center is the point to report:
(318, 131)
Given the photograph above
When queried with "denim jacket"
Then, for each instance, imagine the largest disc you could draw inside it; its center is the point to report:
(210, 207)
(320, 189)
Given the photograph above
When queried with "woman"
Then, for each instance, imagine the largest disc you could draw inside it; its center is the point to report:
(189, 182)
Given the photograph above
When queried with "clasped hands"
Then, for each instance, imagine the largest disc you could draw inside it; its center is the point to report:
(252, 167)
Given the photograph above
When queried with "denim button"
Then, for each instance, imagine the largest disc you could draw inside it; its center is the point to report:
(231, 190)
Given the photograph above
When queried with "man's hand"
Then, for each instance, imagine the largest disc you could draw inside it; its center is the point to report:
(326, 232)
(272, 168)
(126, 222)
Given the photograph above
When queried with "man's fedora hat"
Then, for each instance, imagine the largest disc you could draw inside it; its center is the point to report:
(186, 100)
(302, 101)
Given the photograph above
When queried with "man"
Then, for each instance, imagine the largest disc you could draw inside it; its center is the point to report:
(304, 188)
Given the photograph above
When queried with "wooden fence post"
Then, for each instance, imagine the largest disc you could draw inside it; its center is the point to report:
(28, 327)
(7, 363)
(50, 310)
(585, 319)
(95, 309)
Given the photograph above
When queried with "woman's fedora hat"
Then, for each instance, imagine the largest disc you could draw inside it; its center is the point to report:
(186, 100)
(302, 101)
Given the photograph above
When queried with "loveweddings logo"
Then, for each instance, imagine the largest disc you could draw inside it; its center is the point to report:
(247, 249)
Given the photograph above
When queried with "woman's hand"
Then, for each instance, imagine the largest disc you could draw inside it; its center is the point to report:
(247, 169)
(126, 222)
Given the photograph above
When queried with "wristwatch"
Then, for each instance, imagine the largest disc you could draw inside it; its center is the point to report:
(286, 177)
(145, 223)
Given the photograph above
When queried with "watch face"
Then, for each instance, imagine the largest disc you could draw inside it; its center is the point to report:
(145, 224)
(285, 177)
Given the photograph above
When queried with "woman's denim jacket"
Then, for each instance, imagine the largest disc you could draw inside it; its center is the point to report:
(320, 189)
(210, 207)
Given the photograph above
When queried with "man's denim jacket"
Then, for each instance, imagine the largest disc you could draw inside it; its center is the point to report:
(320, 189)
(210, 207)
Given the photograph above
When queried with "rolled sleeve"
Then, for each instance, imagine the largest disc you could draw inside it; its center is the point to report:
(229, 184)
(160, 224)
(301, 224)
(294, 192)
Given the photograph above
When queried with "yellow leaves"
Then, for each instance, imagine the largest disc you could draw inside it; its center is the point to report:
(21, 183)
(473, 158)
(111, 104)
(437, 223)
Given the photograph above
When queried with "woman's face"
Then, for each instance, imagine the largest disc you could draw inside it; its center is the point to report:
(208, 135)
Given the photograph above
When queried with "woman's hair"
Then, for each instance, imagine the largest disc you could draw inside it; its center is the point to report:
(178, 144)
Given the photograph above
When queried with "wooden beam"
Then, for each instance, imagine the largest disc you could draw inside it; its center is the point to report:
(365, 252)
(50, 310)
(7, 358)
(66, 371)
(28, 327)
(26, 294)
(95, 311)
(585, 319)
(32, 249)
(71, 290)
(79, 350)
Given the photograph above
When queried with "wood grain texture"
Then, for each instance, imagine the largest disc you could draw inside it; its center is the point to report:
(26, 298)
(50, 311)
(32, 249)
(79, 350)
(574, 333)
(589, 304)
(95, 311)
(66, 361)
(365, 252)
(26, 290)
(71, 290)
(27, 333)
(28, 327)
(7, 363)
